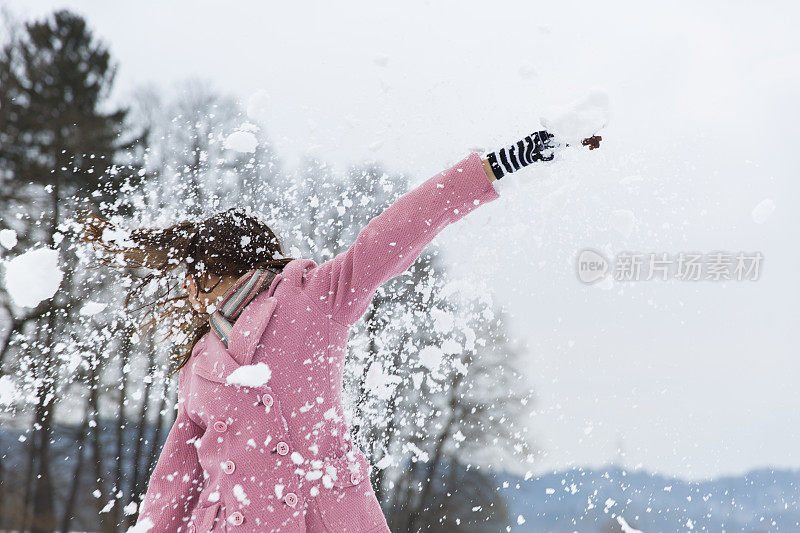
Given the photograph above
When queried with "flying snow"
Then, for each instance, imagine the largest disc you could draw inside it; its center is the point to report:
(92, 308)
(241, 141)
(119, 236)
(385, 462)
(626, 528)
(240, 494)
(142, 527)
(580, 119)
(8, 238)
(33, 276)
(452, 347)
(380, 383)
(8, 391)
(442, 320)
(431, 357)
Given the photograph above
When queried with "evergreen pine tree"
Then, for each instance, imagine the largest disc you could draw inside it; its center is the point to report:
(58, 145)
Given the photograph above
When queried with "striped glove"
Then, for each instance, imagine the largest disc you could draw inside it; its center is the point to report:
(538, 146)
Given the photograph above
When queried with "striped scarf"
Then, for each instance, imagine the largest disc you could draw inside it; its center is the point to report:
(236, 298)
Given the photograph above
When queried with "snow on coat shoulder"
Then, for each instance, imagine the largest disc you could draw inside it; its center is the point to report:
(255, 375)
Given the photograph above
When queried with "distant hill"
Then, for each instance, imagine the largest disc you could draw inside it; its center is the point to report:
(589, 500)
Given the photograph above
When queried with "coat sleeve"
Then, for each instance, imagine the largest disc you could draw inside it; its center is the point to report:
(174, 485)
(393, 240)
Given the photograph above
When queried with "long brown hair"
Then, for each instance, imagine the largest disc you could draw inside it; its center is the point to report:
(228, 243)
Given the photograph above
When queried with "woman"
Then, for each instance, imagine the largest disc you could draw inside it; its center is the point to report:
(260, 442)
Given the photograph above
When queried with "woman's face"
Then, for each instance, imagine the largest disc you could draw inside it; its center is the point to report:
(210, 291)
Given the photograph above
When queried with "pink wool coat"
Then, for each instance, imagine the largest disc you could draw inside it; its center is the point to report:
(277, 456)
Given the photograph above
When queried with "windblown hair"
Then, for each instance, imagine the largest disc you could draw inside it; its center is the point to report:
(228, 243)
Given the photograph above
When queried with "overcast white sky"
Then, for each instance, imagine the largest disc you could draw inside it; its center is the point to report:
(694, 379)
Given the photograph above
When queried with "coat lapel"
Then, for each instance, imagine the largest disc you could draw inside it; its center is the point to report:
(249, 327)
(212, 361)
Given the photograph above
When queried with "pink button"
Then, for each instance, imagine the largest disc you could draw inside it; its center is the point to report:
(290, 499)
(192, 529)
(355, 478)
(236, 518)
(220, 426)
(228, 467)
(267, 400)
(282, 448)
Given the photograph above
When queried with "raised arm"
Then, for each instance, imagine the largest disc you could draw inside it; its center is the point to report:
(174, 484)
(393, 240)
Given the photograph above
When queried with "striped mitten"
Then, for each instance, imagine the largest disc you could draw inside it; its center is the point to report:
(537, 146)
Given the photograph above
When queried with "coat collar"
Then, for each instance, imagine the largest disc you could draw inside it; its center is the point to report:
(213, 361)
